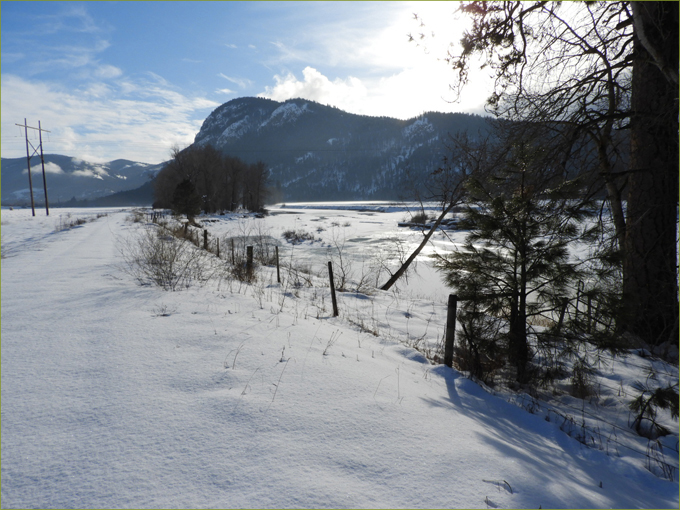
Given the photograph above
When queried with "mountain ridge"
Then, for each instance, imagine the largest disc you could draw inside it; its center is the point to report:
(313, 151)
(319, 152)
(71, 179)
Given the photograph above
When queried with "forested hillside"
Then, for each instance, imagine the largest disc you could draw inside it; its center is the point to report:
(318, 152)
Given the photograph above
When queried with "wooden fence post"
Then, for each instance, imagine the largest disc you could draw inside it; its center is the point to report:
(249, 261)
(218, 247)
(205, 239)
(578, 296)
(278, 271)
(563, 310)
(233, 258)
(335, 302)
(450, 330)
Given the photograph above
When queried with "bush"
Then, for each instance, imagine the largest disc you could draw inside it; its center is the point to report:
(419, 218)
(156, 256)
(297, 236)
(185, 199)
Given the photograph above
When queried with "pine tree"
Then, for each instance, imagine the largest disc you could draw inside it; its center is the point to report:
(185, 199)
(515, 263)
(594, 73)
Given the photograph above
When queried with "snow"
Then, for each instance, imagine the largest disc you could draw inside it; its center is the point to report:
(305, 157)
(287, 112)
(421, 125)
(252, 395)
(236, 129)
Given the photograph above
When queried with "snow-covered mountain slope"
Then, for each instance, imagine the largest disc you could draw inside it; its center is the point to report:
(234, 395)
(317, 152)
(69, 178)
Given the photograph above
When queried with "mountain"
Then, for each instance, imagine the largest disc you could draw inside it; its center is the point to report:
(142, 196)
(314, 152)
(318, 152)
(69, 178)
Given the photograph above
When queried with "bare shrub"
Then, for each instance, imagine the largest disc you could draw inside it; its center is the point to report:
(342, 262)
(155, 256)
(582, 379)
(297, 236)
(234, 244)
(392, 258)
(420, 218)
(240, 272)
(135, 217)
(68, 222)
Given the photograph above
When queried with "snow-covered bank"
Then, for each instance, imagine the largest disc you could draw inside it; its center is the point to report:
(229, 395)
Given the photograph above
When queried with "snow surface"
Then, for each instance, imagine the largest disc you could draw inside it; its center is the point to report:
(421, 125)
(232, 395)
(287, 112)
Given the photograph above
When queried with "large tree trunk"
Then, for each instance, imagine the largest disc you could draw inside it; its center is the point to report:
(650, 286)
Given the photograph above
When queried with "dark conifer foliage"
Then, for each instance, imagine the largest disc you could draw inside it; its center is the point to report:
(591, 73)
(602, 78)
(222, 183)
(185, 200)
(522, 216)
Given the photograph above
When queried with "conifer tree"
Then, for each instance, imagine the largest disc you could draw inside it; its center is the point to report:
(601, 73)
(515, 263)
(185, 199)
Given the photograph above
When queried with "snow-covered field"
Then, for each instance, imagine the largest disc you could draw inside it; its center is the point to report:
(227, 394)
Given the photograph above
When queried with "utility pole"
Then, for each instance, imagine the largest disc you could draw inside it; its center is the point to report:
(42, 160)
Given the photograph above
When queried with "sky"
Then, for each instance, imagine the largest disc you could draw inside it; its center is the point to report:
(132, 80)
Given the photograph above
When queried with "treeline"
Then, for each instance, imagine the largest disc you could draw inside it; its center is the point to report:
(222, 182)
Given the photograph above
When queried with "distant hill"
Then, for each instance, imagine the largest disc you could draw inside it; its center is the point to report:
(314, 152)
(71, 178)
(318, 152)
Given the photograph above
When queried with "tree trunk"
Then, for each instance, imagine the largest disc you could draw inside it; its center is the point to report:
(415, 253)
(650, 286)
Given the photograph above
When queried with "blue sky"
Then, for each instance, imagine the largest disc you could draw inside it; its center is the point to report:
(133, 79)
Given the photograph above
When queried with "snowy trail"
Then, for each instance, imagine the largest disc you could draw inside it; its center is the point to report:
(108, 403)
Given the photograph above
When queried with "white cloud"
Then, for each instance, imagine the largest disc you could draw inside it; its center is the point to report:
(50, 168)
(404, 95)
(10, 58)
(140, 121)
(241, 82)
(377, 71)
(97, 90)
(225, 91)
(86, 173)
(73, 18)
(317, 87)
(53, 168)
(91, 171)
(107, 72)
